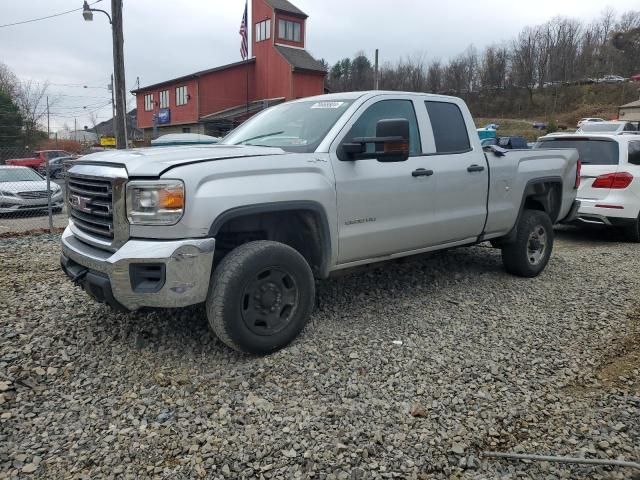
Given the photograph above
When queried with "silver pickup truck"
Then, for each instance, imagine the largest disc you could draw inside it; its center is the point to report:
(302, 190)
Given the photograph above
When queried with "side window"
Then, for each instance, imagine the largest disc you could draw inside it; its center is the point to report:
(449, 129)
(634, 153)
(365, 126)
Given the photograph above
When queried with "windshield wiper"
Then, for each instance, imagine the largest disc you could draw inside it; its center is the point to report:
(244, 142)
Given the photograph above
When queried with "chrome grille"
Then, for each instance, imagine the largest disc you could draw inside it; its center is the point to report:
(33, 195)
(91, 205)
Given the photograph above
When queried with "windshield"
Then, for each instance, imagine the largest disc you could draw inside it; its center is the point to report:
(590, 151)
(294, 127)
(600, 127)
(18, 175)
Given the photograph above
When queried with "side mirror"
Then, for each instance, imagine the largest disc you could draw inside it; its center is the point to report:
(391, 143)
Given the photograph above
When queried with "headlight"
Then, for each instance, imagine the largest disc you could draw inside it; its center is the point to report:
(159, 202)
(7, 194)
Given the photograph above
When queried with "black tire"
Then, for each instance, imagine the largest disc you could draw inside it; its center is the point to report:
(632, 232)
(529, 254)
(260, 298)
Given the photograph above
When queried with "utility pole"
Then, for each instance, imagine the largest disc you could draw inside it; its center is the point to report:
(75, 129)
(376, 81)
(118, 71)
(48, 128)
(113, 109)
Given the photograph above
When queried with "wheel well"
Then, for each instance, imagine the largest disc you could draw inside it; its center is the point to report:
(546, 197)
(301, 229)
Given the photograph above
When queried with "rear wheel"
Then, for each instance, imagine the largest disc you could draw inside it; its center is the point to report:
(529, 254)
(261, 296)
(632, 232)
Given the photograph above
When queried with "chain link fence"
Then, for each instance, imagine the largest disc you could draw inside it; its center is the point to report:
(32, 190)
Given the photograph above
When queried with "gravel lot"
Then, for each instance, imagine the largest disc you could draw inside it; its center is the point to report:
(407, 371)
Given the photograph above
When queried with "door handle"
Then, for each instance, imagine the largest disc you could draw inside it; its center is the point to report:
(475, 168)
(421, 172)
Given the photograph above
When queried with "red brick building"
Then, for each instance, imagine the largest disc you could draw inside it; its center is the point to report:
(215, 100)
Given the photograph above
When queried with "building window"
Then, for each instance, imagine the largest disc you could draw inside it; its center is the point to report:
(148, 102)
(186, 129)
(288, 30)
(263, 30)
(181, 95)
(164, 99)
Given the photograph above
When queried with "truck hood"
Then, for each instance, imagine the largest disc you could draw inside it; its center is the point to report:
(153, 162)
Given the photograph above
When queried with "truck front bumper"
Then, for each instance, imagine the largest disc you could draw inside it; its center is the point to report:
(141, 273)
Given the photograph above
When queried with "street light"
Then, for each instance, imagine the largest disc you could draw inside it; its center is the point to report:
(87, 12)
(118, 67)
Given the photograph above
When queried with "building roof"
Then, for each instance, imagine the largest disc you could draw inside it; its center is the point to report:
(300, 59)
(241, 110)
(193, 75)
(287, 7)
(632, 104)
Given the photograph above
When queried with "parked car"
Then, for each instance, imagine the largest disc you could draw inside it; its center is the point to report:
(613, 127)
(303, 189)
(609, 191)
(612, 79)
(582, 121)
(510, 143)
(173, 139)
(539, 125)
(635, 78)
(39, 158)
(24, 189)
(56, 167)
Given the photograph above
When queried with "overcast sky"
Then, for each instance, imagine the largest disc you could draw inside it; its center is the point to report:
(165, 39)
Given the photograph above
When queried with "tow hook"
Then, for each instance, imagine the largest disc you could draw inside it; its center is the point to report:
(76, 279)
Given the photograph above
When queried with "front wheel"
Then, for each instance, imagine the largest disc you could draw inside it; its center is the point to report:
(529, 254)
(261, 297)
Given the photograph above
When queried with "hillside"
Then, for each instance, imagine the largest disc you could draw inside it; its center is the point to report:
(515, 110)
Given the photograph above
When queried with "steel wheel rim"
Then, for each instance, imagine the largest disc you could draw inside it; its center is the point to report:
(269, 301)
(537, 245)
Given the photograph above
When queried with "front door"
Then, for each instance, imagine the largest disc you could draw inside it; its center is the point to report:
(383, 208)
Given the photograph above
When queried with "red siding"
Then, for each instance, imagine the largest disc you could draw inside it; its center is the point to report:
(272, 69)
(226, 88)
(307, 84)
(181, 114)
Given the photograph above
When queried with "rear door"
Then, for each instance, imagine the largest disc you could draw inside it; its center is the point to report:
(599, 156)
(461, 173)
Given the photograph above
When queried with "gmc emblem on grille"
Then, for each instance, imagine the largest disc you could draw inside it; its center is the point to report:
(80, 203)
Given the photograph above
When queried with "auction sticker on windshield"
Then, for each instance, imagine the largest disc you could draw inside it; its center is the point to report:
(327, 105)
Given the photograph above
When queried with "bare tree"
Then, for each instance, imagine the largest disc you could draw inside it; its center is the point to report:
(435, 76)
(31, 98)
(8, 81)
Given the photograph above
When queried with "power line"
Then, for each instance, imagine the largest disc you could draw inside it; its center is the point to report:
(45, 18)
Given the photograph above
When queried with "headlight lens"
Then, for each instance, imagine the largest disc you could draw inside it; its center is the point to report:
(158, 202)
(7, 194)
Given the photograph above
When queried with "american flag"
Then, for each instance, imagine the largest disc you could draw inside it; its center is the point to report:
(244, 32)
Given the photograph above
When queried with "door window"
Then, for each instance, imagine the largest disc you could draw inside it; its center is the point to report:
(449, 129)
(365, 126)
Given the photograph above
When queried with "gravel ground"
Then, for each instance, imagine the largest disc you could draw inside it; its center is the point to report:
(407, 371)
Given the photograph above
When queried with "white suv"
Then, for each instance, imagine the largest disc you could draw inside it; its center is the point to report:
(589, 119)
(610, 179)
